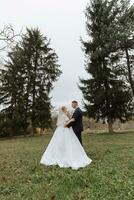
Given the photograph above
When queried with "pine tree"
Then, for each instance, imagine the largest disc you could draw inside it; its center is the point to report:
(106, 95)
(42, 69)
(11, 91)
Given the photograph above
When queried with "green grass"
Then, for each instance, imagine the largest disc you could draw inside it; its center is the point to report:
(109, 177)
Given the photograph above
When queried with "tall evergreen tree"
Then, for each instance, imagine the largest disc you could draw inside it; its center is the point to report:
(106, 96)
(11, 91)
(28, 79)
(126, 42)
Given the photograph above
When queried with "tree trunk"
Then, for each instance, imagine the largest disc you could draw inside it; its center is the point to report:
(129, 71)
(110, 126)
(34, 88)
(107, 88)
(30, 129)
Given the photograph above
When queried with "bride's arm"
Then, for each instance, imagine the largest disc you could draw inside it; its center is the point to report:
(68, 115)
(71, 120)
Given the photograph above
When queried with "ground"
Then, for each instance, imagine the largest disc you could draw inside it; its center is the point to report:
(109, 177)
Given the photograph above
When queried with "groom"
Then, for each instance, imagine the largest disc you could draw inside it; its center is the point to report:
(77, 124)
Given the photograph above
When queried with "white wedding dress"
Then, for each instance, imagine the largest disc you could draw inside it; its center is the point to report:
(64, 149)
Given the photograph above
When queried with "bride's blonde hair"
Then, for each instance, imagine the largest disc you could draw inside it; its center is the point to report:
(63, 108)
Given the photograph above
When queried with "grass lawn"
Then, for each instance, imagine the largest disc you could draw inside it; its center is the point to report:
(109, 177)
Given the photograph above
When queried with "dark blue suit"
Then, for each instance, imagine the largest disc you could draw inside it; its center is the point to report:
(77, 125)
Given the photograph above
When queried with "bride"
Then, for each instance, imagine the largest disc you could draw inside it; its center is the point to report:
(64, 149)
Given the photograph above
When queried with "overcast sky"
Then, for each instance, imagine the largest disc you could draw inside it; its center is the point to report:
(63, 21)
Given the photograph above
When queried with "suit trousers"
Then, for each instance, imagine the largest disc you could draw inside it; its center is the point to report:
(78, 134)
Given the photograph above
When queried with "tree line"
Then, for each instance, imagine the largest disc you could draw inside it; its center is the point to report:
(32, 66)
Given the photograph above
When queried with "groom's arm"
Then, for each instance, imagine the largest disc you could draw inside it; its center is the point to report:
(74, 118)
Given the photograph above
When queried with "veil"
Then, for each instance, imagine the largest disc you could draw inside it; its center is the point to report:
(61, 117)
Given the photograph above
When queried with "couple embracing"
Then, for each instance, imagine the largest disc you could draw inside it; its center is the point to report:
(65, 148)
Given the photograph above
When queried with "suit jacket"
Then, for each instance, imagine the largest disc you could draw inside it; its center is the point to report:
(77, 125)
